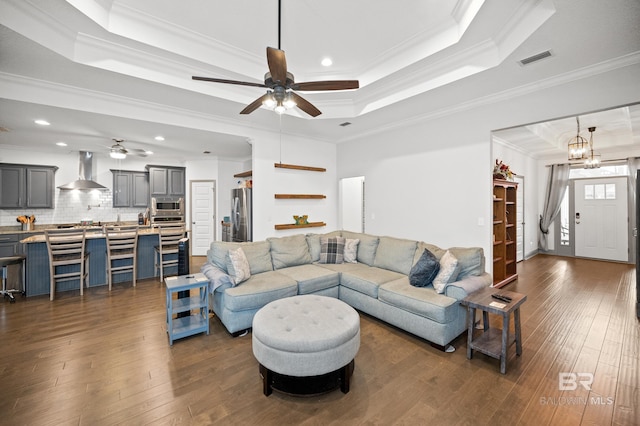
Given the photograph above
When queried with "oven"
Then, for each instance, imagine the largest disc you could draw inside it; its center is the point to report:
(166, 220)
(167, 209)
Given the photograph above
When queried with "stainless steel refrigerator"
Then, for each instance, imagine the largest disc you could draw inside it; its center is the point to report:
(241, 217)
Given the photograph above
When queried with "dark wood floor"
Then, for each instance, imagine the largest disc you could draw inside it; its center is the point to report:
(105, 359)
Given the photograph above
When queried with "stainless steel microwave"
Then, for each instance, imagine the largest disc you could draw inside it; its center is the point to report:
(165, 207)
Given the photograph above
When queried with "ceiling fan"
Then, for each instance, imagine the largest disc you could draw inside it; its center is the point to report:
(280, 84)
(119, 152)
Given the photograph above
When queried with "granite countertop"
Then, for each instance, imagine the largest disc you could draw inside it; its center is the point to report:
(41, 228)
(92, 232)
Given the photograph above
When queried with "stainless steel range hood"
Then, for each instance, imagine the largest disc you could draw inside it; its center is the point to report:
(85, 178)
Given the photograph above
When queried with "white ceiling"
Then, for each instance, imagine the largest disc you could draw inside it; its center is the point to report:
(99, 69)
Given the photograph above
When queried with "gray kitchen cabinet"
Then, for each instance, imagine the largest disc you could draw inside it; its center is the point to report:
(140, 193)
(166, 181)
(26, 186)
(10, 246)
(130, 188)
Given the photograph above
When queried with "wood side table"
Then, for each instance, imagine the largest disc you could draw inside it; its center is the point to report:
(494, 342)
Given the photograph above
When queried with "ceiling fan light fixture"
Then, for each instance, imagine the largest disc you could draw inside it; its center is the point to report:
(289, 102)
(117, 155)
(269, 101)
(280, 109)
(118, 152)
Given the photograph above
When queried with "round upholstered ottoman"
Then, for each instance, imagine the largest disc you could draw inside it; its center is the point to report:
(306, 344)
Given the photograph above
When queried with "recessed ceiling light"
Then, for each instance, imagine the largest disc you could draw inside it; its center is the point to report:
(61, 143)
(149, 152)
(326, 62)
(42, 122)
(159, 138)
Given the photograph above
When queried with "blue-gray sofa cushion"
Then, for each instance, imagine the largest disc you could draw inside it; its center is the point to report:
(312, 278)
(366, 247)
(437, 251)
(470, 260)
(258, 254)
(366, 279)
(395, 254)
(259, 290)
(423, 301)
(289, 251)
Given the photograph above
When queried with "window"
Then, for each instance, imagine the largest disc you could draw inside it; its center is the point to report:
(600, 191)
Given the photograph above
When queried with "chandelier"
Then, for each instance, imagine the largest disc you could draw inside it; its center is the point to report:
(593, 160)
(578, 145)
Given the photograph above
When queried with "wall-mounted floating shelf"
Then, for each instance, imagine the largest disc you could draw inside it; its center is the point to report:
(244, 174)
(293, 166)
(294, 226)
(299, 196)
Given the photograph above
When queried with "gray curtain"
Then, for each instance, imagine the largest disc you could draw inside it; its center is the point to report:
(634, 164)
(556, 188)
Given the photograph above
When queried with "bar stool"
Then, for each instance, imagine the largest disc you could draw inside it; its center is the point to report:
(122, 249)
(4, 263)
(68, 259)
(168, 238)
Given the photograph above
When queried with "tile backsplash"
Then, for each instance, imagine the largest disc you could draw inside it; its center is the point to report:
(74, 206)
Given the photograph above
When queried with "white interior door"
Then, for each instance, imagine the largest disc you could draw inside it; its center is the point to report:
(202, 216)
(601, 223)
(352, 204)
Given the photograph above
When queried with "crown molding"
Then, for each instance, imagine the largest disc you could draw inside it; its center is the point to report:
(27, 89)
(565, 78)
(140, 26)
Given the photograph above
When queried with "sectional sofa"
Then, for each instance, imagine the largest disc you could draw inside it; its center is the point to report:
(373, 276)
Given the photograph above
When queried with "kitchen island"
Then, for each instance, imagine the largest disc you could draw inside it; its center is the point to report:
(37, 274)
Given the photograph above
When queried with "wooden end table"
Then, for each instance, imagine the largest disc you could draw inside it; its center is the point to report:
(494, 342)
(187, 325)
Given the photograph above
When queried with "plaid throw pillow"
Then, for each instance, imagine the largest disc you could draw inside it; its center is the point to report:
(332, 250)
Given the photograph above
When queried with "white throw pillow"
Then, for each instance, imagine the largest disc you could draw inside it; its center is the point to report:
(351, 250)
(448, 273)
(238, 265)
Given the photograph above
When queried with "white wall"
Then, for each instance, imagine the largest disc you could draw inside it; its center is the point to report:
(269, 180)
(432, 180)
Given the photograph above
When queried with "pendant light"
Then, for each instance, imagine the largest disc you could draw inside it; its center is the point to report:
(578, 146)
(593, 160)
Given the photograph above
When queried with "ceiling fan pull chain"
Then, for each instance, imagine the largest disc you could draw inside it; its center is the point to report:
(280, 115)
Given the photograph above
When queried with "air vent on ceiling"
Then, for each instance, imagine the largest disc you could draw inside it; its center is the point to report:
(535, 58)
(345, 124)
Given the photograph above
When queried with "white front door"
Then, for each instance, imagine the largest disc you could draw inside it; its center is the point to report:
(202, 216)
(601, 222)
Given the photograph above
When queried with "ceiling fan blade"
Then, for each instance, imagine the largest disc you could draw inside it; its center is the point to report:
(327, 85)
(305, 105)
(277, 65)
(221, 80)
(254, 105)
